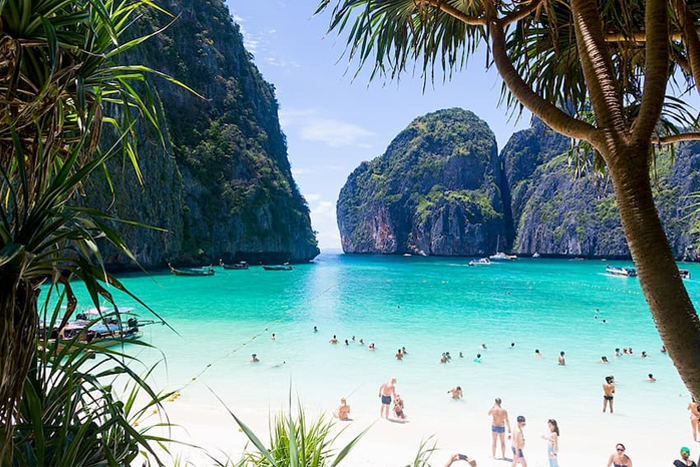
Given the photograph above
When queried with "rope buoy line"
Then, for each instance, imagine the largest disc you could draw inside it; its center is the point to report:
(255, 336)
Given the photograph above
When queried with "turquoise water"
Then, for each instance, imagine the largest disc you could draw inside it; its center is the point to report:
(429, 306)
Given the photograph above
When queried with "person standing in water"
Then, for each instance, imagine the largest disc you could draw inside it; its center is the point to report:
(552, 443)
(561, 359)
(499, 422)
(386, 391)
(608, 391)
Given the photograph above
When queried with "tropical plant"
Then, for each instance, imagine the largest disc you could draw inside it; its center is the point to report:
(70, 413)
(60, 84)
(560, 59)
(294, 442)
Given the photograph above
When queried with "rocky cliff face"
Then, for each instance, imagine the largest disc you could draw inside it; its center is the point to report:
(434, 191)
(223, 186)
(562, 212)
(531, 197)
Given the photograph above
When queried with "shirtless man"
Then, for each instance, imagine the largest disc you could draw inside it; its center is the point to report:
(499, 422)
(608, 391)
(519, 443)
(456, 392)
(386, 391)
(334, 340)
(562, 362)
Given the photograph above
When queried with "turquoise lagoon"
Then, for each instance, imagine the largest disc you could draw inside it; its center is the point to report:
(429, 306)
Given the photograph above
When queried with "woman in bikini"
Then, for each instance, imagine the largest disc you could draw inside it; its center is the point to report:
(619, 458)
(694, 418)
(552, 443)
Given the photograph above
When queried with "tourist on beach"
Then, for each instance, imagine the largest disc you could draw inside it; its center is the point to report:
(617, 352)
(624, 351)
(512, 345)
(460, 457)
(399, 355)
(371, 346)
(398, 407)
(499, 422)
(343, 411)
(461, 355)
(604, 359)
(315, 329)
(353, 338)
(443, 358)
(629, 350)
(477, 359)
(651, 378)
(644, 354)
(456, 392)
(254, 359)
(537, 353)
(519, 443)
(346, 342)
(694, 418)
(386, 391)
(334, 340)
(362, 342)
(608, 391)
(272, 337)
(552, 442)
(684, 461)
(483, 346)
(663, 349)
(562, 362)
(403, 351)
(449, 357)
(619, 458)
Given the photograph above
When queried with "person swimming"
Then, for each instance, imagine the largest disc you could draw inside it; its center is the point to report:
(477, 359)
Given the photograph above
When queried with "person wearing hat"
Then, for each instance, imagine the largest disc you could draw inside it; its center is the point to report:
(684, 461)
(519, 443)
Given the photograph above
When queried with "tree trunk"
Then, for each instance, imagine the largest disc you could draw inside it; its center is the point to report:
(671, 308)
(18, 326)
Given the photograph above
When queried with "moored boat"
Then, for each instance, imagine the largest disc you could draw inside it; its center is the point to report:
(94, 332)
(480, 262)
(500, 256)
(284, 267)
(625, 272)
(203, 271)
(239, 265)
(535, 255)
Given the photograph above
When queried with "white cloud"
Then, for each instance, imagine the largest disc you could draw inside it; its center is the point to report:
(312, 197)
(323, 220)
(302, 171)
(312, 126)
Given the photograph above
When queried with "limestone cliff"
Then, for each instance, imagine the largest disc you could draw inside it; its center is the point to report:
(434, 191)
(223, 186)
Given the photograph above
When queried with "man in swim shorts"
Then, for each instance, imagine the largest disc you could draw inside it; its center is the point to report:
(499, 421)
(387, 390)
(608, 391)
(519, 443)
(460, 457)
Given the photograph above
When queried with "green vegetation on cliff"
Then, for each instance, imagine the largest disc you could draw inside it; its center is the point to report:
(433, 191)
(225, 186)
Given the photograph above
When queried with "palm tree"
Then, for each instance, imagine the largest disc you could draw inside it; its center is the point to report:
(60, 84)
(562, 59)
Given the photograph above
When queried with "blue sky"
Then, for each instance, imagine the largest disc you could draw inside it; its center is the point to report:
(333, 122)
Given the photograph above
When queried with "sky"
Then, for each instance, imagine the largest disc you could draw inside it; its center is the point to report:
(333, 121)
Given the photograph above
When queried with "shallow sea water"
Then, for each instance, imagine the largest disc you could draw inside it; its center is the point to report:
(429, 306)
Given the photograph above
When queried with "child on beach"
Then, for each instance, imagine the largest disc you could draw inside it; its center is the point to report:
(398, 407)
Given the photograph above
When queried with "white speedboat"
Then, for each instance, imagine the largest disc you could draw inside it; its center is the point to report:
(480, 262)
(500, 256)
(625, 272)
